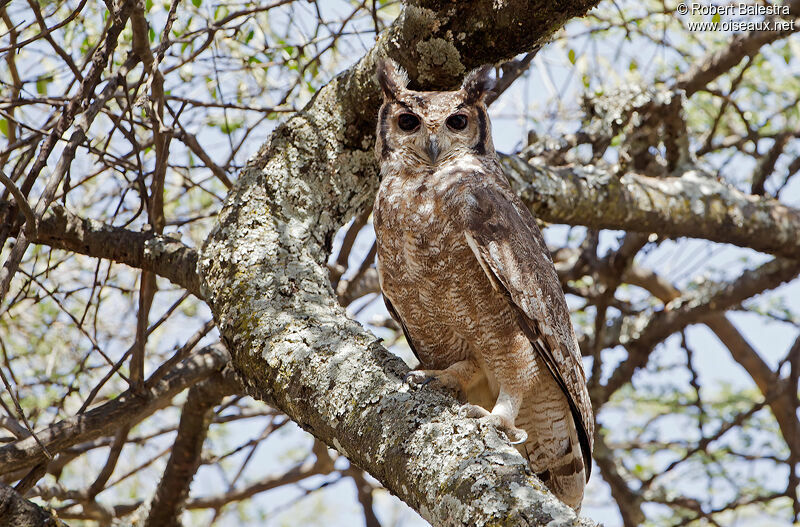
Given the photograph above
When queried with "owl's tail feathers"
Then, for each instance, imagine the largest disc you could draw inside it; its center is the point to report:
(567, 477)
(564, 474)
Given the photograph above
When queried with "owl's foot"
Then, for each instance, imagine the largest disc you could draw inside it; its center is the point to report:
(515, 435)
(423, 377)
(417, 378)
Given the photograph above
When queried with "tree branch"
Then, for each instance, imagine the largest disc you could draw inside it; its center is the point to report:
(160, 254)
(691, 205)
(628, 501)
(743, 45)
(646, 333)
(742, 352)
(185, 454)
(16, 510)
(108, 417)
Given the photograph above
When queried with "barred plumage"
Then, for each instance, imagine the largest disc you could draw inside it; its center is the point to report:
(466, 273)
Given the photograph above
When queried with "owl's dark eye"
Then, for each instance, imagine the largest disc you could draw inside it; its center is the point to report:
(457, 121)
(408, 122)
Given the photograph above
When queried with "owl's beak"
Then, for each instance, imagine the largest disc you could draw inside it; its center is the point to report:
(432, 149)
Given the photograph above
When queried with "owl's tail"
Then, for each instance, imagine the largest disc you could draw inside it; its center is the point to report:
(553, 449)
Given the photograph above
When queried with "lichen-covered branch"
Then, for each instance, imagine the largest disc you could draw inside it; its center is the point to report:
(692, 205)
(146, 250)
(264, 275)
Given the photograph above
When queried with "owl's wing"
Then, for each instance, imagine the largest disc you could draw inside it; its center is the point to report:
(390, 308)
(511, 250)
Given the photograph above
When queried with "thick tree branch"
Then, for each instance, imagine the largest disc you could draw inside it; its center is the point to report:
(692, 205)
(149, 251)
(19, 512)
(184, 457)
(265, 278)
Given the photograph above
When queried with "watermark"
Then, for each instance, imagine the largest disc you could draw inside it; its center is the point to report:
(736, 17)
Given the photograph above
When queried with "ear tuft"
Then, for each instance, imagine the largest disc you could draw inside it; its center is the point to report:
(391, 77)
(478, 83)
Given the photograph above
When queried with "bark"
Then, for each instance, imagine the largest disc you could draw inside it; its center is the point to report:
(19, 512)
(264, 275)
(692, 205)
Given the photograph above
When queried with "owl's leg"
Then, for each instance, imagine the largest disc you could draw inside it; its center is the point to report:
(459, 376)
(510, 368)
(502, 415)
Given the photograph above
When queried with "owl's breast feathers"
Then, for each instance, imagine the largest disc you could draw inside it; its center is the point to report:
(460, 256)
(433, 285)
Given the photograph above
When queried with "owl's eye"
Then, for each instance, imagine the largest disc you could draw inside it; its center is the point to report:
(457, 121)
(408, 122)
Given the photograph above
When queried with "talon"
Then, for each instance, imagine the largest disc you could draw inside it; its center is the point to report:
(516, 436)
(416, 378)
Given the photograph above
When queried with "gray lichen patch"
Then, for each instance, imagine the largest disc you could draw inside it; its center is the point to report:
(438, 55)
(419, 22)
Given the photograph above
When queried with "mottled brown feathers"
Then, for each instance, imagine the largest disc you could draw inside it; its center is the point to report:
(391, 77)
(477, 84)
(466, 273)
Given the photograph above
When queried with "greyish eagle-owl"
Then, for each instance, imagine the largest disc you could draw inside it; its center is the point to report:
(466, 273)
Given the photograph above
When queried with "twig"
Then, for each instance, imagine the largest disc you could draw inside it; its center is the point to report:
(22, 204)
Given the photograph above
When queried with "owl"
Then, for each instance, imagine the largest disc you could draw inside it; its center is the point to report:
(466, 273)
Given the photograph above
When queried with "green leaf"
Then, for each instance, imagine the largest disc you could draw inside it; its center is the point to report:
(571, 55)
(230, 126)
(4, 127)
(221, 12)
(41, 84)
(197, 3)
(716, 18)
(152, 35)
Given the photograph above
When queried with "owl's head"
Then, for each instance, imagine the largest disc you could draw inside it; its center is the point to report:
(430, 127)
